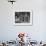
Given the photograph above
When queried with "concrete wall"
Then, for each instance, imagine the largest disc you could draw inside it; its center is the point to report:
(9, 31)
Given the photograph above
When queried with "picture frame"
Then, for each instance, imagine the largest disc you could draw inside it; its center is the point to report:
(23, 18)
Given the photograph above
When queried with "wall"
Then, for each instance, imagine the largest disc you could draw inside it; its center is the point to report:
(9, 31)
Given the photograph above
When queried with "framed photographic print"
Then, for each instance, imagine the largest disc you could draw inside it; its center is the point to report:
(23, 18)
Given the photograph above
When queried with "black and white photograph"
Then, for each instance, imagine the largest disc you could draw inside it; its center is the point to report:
(23, 18)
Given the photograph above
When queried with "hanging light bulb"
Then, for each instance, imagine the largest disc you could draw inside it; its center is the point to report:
(12, 1)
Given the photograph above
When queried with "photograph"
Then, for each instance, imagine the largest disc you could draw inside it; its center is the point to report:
(22, 22)
(23, 18)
